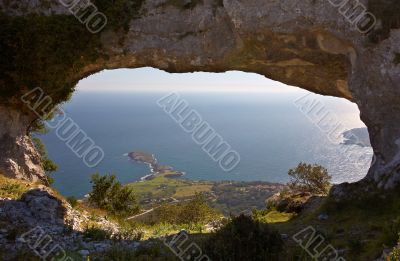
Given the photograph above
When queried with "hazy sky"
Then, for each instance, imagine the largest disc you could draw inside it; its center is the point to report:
(149, 79)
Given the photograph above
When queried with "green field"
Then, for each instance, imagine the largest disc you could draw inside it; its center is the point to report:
(226, 196)
(162, 187)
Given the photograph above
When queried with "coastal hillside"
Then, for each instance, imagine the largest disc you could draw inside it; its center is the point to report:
(229, 197)
(355, 229)
(166, 185)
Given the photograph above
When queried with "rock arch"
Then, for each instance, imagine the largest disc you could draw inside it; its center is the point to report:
(310, 44)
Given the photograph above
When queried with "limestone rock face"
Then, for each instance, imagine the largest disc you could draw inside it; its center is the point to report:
(36, 207)
(18, 157)
(308, 44)
(41, 216)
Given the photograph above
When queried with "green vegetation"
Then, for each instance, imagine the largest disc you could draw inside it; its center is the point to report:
(227, 196)
(119, 12)
(163, 187)
(395, 254)
(49, 51)
(11, 188)
(72, 201)
(108, 194)
(194, 211)
(48, 165)
(306, 181)
(272, 216)
(44, 51)
(309, 178)
(361, 228)
(96, 233)
(169, 218)
(244, 239)
(233, 198)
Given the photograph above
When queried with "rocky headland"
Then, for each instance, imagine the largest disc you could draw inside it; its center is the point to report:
(357, 136)
(155, 168)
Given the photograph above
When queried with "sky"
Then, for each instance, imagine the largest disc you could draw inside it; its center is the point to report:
(152, 80)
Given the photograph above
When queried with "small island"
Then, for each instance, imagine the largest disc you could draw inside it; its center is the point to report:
(155, 168)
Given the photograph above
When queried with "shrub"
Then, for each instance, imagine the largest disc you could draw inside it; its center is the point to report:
(72, 201)
(244, 239)
(271, 216)
(123, 201)
(96, 234)
(395, 254)
(309, 178)
(154, 252)
(194, 211)
(390, 233)
(48, 165)
(293, 202)
(128, 231)
(12, 188)
(355, 246)
(108, 194)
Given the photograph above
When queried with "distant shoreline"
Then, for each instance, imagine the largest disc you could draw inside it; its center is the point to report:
(357, 136)
(155, 168)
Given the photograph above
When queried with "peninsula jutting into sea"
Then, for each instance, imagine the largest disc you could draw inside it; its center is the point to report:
(155, 168)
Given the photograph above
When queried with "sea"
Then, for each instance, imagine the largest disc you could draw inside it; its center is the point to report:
(269, 130)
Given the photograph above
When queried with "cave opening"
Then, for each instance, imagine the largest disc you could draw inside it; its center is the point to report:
(271, 126)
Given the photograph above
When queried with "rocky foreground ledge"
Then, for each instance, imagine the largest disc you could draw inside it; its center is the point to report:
(40, 222)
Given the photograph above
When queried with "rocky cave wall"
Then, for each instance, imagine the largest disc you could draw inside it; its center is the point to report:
(308, 44)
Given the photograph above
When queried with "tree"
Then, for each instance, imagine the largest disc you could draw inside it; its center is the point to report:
(108, 193)
(101, 189)
(194, 211)
(48, 165)
(39, 127)
(309, 178)
(124, 202)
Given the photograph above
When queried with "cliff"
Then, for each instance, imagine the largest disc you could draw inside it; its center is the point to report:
(316, 45)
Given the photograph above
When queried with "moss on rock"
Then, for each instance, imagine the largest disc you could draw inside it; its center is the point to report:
(43, 51)
(396, 60)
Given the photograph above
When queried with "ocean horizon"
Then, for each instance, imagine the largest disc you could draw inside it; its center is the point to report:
(269, 132)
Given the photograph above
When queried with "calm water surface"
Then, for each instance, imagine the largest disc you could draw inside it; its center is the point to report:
(267, 129)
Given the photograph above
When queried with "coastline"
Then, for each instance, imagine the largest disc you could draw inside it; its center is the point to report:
(155, 169)
(356, 136)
